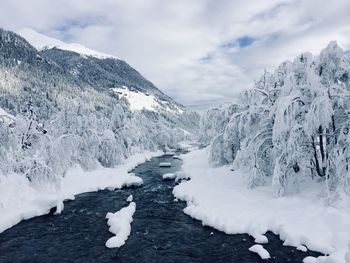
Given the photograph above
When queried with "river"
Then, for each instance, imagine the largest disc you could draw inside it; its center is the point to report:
(161, 232)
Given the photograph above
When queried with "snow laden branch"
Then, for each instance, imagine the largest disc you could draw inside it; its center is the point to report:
(42, 148)
(293, 125)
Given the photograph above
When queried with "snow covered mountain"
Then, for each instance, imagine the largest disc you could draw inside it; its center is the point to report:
(102, 71)
(60, 108)
(41, 41)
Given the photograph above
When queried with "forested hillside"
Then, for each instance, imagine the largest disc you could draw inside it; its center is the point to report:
(58, 110)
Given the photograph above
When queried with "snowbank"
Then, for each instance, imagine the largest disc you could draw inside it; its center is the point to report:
(120, 225)
(261, 251)
(169, 176)
(219, 198)
(20, 201)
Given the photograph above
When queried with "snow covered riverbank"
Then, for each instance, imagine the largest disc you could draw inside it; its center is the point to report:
(19, 200)
(219, 198)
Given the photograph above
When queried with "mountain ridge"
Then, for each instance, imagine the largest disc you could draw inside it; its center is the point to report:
(41, 41)
(102, 73)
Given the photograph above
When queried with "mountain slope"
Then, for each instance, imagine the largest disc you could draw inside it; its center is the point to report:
(103, 72)
(64, 118)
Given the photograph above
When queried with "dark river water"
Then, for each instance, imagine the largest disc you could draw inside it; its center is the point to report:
(161, 232)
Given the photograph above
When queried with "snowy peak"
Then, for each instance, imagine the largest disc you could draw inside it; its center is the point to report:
(41, 41)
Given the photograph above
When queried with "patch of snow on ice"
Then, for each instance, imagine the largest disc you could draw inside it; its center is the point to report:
(169, 176)
(120, 225)
(41, 41)
(261, 251)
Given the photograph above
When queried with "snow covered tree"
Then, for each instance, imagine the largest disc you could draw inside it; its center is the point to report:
(291, 126)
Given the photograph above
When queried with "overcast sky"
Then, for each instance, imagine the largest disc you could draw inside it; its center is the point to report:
(200, 52)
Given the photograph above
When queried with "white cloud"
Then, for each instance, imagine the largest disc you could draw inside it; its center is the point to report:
(182, 46)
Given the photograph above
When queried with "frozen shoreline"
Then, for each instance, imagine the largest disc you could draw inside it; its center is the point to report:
(20, 201)
(219, 198)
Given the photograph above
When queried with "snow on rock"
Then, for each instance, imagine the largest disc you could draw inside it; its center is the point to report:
(120, 225)
(41, 41)
(261, 239)
(261, 251)
(302, 248)
(223, 201)
(19, 200)
(164, 164)
(130, 198)
(181, 175)
(169, 176)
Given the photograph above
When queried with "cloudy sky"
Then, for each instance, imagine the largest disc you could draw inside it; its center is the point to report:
(201, 52)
